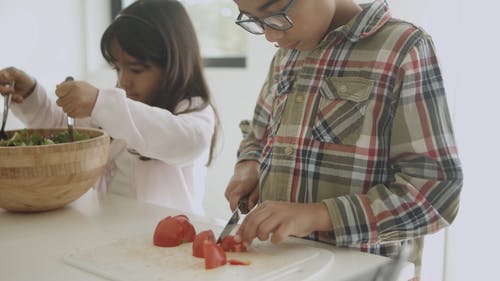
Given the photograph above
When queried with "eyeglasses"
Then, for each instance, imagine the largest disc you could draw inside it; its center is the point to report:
(278, 21)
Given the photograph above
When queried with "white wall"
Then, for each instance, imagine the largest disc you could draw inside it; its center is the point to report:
(54, 38)
(235, 92)
(442, 20)
(473, 240)
(43, 37)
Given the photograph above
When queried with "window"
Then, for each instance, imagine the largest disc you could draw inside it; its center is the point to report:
(222, 43)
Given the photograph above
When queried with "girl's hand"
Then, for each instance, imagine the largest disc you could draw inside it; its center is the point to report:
(77, 98)
(245, 181)
(24, 86)
(279, 220)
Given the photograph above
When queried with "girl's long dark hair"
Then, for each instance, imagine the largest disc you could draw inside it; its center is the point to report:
(161, 32)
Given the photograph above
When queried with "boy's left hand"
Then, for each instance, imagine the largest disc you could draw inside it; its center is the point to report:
(279, 220)
(77, 98)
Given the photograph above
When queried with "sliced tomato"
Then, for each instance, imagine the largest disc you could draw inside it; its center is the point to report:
(199, 239)
(238, 262)
(168, 233)
(173, 231)
(181, 216)
(214, 255)
(229, 245)
(187, 228)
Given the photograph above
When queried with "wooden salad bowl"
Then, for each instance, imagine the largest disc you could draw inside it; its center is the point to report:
(46, 177)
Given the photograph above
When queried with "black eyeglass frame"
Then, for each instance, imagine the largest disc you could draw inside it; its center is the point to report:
(262, 21)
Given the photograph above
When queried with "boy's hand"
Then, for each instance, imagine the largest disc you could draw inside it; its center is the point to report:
(77, 98)
(245, 181)
(279, 220)
(24, 86)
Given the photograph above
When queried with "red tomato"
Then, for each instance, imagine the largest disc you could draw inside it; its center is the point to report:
(214, 255)
(168, 233)
(229, 245)
(173, 231)
(238, 262)
(187, 228)
(181, 216)
(199, 239)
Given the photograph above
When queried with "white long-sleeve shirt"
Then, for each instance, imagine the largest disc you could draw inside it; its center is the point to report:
(179, 145)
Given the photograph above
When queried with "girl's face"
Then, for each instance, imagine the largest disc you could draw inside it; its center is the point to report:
(140, 80)
(311, 19)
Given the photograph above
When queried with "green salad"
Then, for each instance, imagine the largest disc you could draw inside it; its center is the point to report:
(25, 138)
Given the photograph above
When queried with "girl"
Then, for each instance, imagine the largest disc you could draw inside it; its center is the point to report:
(160, 116)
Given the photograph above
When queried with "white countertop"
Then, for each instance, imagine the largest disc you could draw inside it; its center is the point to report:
(32, 246)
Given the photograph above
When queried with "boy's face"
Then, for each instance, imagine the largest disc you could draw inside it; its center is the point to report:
(311, 19)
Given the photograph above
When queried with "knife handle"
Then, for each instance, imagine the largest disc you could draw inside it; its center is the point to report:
(243, 205)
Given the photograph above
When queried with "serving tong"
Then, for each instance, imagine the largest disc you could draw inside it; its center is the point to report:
(6, 105)
(70, 119)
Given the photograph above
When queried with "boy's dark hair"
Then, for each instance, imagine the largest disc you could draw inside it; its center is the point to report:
(161, 32)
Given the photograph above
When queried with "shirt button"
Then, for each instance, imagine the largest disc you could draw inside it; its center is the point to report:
(299, 99)
(288, 150)
(343, 88)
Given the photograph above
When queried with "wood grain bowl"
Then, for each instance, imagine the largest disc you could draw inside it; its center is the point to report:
(47, 177)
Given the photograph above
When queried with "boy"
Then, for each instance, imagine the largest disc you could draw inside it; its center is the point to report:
(351, 142)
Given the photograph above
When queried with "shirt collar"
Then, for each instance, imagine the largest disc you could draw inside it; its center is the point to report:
(372, 17)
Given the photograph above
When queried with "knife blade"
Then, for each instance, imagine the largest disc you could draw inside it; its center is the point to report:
(234, 219)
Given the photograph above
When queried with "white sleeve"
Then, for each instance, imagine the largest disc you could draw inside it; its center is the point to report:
(154, 132)
(39, 111)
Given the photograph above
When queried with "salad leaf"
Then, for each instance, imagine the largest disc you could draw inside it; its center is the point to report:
(25, 138)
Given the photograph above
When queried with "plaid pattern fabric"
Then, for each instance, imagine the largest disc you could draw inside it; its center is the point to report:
(361, 123)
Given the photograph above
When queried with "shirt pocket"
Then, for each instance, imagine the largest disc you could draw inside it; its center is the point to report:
(341, 109)
(279, 100)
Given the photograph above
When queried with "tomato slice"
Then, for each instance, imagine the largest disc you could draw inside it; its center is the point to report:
(238, 262)
(199, 239)
(168, 233)
(188, 232)
(181, 216)
(214, 255)
(173, 231)
(229, 245)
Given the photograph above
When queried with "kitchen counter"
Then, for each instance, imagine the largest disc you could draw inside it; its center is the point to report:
(32, 246)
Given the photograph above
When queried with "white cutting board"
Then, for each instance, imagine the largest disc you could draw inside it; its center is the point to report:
(137, 259)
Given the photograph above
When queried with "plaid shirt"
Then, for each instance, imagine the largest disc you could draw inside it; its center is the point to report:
(360, 123)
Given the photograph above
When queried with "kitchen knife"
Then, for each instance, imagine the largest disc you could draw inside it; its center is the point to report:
(234, 219)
